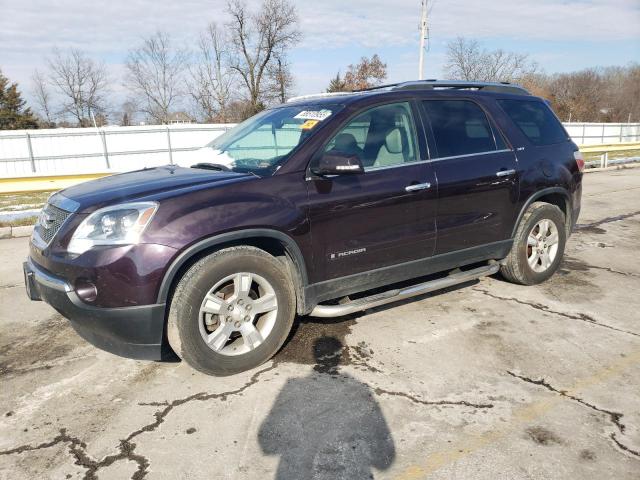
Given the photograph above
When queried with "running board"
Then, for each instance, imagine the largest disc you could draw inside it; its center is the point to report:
(396, 295)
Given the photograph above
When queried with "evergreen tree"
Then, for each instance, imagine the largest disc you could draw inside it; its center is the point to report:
(337, 84)
(14, 115)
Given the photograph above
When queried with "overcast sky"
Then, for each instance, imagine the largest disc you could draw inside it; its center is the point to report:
(559, 35)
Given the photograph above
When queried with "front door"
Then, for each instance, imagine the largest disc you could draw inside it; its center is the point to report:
(477, 176)
(385, 216)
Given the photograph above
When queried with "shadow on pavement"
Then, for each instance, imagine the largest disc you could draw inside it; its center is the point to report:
(327, 425)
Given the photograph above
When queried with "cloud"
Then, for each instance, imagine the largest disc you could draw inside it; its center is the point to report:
(375, 24)
(107, 30)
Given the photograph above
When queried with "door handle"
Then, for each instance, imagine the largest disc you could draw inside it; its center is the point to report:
(418, 186)
(505, 173)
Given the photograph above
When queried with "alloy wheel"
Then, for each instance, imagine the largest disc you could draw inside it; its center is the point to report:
(238, 313)
(542, 245)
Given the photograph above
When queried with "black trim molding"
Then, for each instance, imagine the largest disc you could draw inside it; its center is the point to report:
(289, 244)
(339, 287)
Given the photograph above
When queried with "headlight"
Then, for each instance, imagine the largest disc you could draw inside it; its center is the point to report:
(117, 225)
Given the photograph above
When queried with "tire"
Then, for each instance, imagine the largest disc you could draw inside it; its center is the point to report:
(246, 277)
(517, 267)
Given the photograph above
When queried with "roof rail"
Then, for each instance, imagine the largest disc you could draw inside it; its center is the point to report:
(432, 84)
(318, 95)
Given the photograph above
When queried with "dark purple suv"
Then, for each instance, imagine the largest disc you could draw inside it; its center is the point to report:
(323, 206)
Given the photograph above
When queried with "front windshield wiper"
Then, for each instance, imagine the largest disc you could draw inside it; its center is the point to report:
(212, 166)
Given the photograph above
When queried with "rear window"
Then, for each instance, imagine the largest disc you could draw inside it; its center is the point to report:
(535, 120)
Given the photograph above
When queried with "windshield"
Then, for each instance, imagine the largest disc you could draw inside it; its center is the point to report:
(262, 143)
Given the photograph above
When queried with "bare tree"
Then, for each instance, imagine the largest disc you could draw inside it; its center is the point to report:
(337, 84)
(256, 38)
(467, 60)
(82, 83)
(127, 113)
(42, 97)
(155, 75)
(212, 80)
(366, 74)
(610, 94)
(579, 95)
(280, 78)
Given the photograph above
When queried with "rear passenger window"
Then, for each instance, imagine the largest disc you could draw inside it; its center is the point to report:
(460, 127)
(535, 120)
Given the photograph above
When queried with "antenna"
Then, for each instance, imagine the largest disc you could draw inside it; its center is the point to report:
(423, 36)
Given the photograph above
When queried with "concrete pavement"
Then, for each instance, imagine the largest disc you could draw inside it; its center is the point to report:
(489, 381)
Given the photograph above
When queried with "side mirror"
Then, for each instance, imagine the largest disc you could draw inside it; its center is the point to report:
(338, 163)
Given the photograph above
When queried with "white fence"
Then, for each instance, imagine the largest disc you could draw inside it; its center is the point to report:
(68, 151)
(603, 133)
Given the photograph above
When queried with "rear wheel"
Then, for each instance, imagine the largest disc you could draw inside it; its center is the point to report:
(538, 245)
(231, 311)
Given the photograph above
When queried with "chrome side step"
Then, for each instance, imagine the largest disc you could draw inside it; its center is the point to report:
(396, 295)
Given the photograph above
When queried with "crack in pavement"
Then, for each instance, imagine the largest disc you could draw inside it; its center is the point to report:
(573, 263)
(617, 218)
(611, 270)
(13, 285)
(623, 446)
(583, 317)
(160, 415)
(414, 399)
(78, 449)
(615, 417)
(126, 447)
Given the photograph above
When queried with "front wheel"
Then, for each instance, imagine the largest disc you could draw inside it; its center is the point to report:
(538, 245)
(231, 311)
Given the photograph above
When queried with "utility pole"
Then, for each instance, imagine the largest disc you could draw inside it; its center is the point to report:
(423, 36)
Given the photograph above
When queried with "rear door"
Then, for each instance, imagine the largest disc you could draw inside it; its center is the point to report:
(476, 172)
(385, 216)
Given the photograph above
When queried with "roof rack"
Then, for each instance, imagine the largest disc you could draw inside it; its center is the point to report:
(432, 84)
(318, 95)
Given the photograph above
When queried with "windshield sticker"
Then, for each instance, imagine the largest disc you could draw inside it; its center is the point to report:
(309, 124)
(314, 114)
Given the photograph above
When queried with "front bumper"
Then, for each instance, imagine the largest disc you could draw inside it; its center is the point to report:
(132, 332)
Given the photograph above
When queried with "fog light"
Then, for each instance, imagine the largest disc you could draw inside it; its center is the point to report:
(86, 290)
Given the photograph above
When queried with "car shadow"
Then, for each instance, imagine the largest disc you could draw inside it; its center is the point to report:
(327, 425)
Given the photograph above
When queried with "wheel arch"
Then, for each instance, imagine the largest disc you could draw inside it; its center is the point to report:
(272, 241)
(557, 196)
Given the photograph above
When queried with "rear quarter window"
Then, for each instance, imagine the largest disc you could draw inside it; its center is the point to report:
(536, 120)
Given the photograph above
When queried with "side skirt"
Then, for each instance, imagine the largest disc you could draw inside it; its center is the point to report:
(396, 295)
(360, 282)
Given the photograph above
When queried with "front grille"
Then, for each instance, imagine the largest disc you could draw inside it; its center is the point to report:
(49, 222)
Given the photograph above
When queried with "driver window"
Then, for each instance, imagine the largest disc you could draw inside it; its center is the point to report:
(381, 137)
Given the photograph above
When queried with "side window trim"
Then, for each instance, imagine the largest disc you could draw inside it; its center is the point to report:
(489, 152)
(431, 141)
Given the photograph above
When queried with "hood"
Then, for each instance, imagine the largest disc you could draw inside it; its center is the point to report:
(146, 183)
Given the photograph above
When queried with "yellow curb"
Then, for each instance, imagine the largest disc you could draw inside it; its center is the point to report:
(45, 183)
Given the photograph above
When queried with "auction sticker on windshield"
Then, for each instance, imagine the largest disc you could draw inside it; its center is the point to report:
(309, 124)
(314, 114)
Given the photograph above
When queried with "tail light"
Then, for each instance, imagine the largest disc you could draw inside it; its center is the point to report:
(579, 160)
